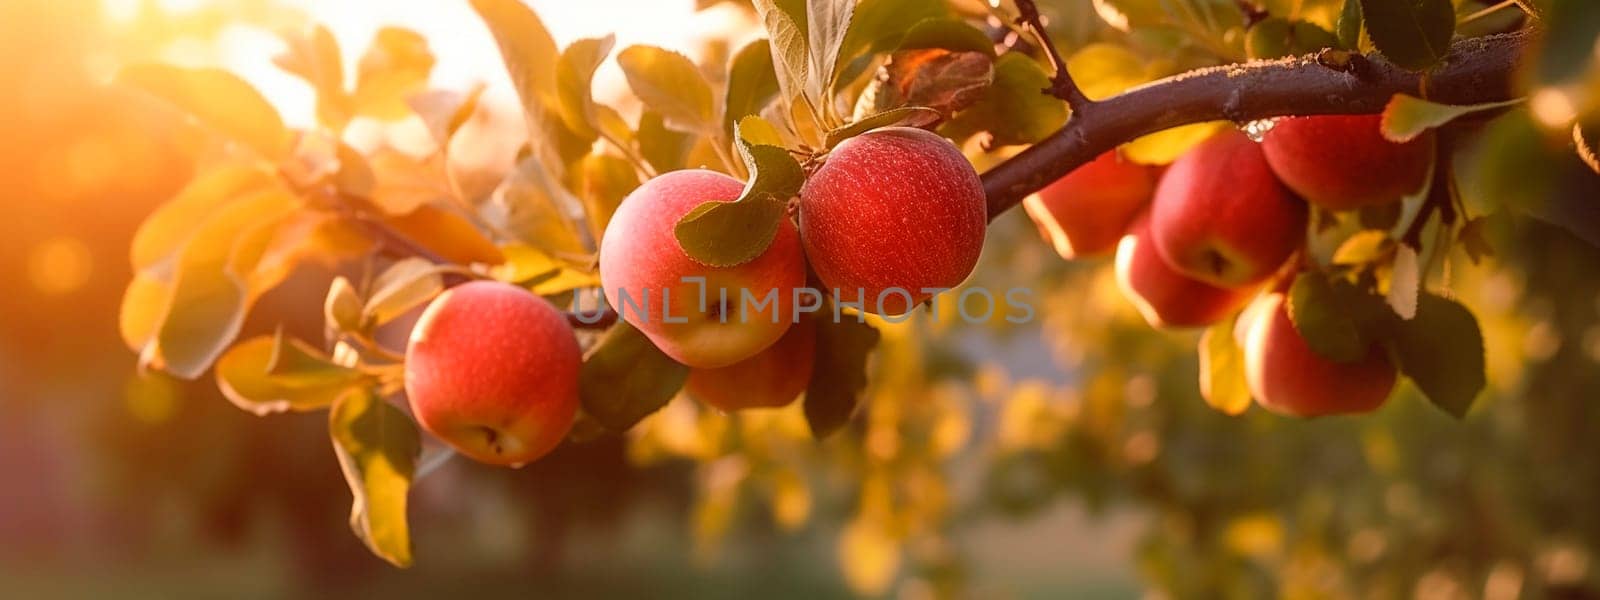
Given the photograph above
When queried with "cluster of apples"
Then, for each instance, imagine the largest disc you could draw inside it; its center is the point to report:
(493, 369)
(1200, 240)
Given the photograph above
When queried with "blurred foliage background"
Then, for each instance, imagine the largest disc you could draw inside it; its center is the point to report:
(1071, 454)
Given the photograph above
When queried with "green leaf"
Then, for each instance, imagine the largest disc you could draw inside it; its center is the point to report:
(1013, 110)
(1324, 319)
(786, 35)
(1407, 117)
(209, 296)
(910, 116)
(840, 374)
(343, 309)
(574, 76)
(1414, 34)
(217, 99)
(271, 374)
(1349, 25)
(1566, 44)
(526, 48)
(378, 447)
(726, 234)
(405, 285)
(625, 378)
(827, 22)
(1276, 37)
(751, 83)
(1222, 379)
(663, 148)
(1442, 351)
(669, 83)
(880, 25)
(955, 35)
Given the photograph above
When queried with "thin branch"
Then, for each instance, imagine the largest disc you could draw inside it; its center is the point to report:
(1476, 71)
(1061, 84)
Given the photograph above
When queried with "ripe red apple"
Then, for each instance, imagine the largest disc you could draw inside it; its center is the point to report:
(1164, 296)
(730, 315)
(1220, 216)
(890, 214)
(1086, 212)
(492, 370)
(1286, 376)
(772, 378)
(1342, 162)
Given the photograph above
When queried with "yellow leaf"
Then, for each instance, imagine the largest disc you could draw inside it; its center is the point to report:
(1222, 378)
(143, 306)
(171, 225)
(403, 286)
(314, 56)
(209, 299)
(334, 239)
(378, 446)
(669, 83)
(566, 280)
(526, 48)
(532, 208)
(603, 181)
(396, 64)
(1103, 70)
(448, 234)
(218, 99)
(1163, 147)
(270, 374)
(404, 182)
(523, 263)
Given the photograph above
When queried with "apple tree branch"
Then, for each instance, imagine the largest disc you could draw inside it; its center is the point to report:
(1477, 70)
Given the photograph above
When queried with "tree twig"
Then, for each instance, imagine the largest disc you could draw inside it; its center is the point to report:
(1061, 84)
(1477, 70)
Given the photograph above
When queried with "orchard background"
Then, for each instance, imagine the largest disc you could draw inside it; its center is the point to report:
(1074, 453)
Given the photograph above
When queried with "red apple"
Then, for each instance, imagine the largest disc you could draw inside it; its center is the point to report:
(492, 370)
(1220, 216)
(890, 215)
(1343, 162)
(700, 315)
(1086, 212)
(1166, 297)
(770, 379)
(1286, 376)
